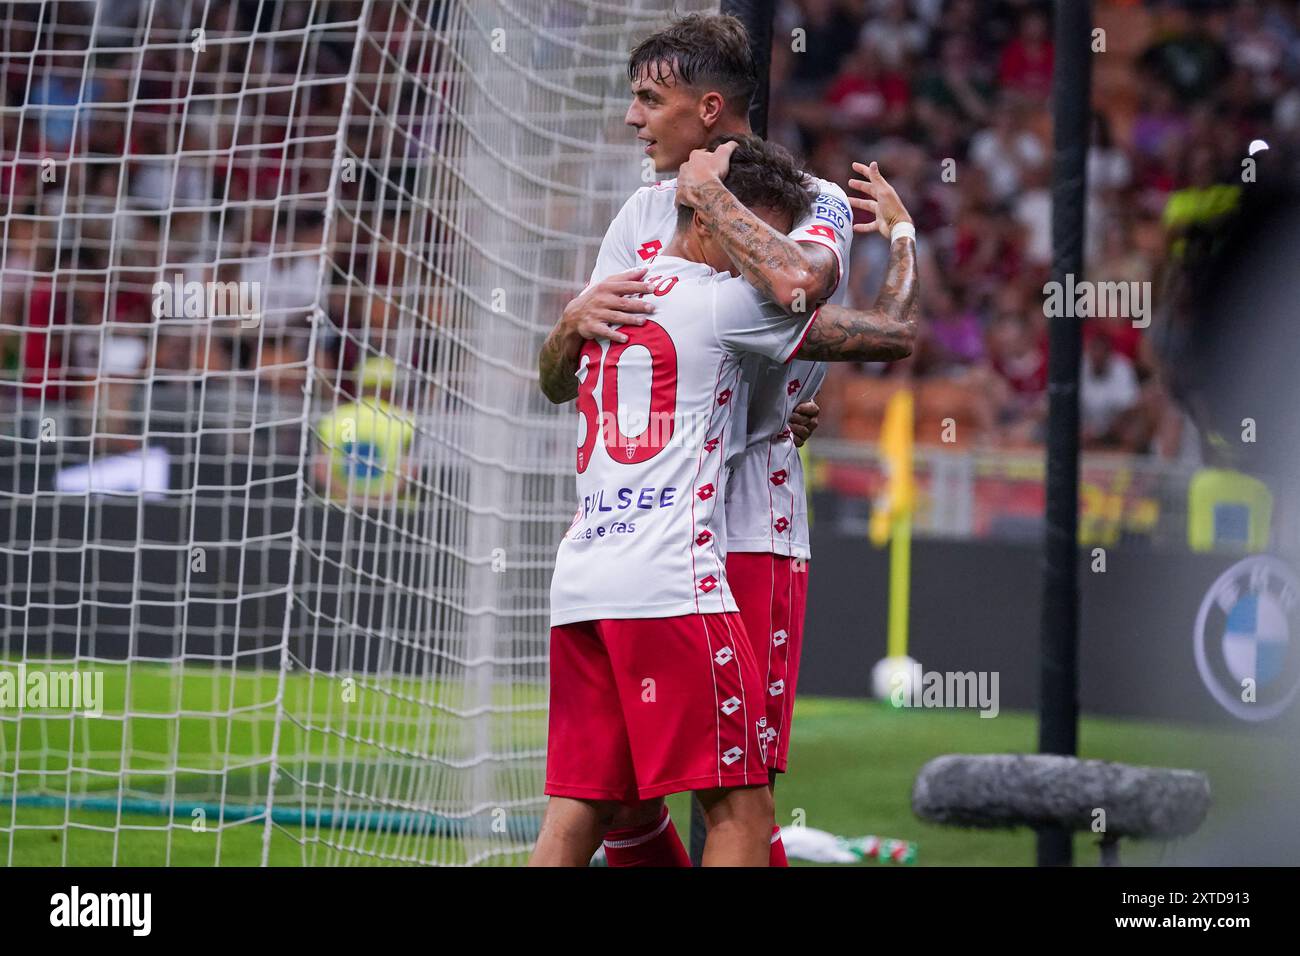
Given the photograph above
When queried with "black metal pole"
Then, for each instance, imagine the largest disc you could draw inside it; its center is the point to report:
(1058, 703)
(758, 17)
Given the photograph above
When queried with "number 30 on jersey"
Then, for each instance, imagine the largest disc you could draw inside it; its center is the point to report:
(598, 397)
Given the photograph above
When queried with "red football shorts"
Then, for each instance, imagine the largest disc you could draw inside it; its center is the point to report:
(644, 708)
(771, 591)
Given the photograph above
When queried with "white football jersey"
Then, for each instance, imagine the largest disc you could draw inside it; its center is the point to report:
(655, 415)
(766, 506)
(767, 498)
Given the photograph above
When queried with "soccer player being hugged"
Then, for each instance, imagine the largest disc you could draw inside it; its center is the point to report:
(655, 684)
(691, 83)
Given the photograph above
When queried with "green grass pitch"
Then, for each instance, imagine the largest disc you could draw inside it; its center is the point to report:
(851, 771)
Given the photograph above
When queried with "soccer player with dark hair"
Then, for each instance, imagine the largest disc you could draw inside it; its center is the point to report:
(655, 687)
(692, 83)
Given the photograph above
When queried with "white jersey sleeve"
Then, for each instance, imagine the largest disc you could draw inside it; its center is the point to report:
(829, 223)
(746, 322)
(618, 250)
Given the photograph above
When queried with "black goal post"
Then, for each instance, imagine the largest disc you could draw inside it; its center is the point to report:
(1058, 689)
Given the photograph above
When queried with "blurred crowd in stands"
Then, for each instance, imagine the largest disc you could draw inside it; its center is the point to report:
(952, 98)
(197, 163)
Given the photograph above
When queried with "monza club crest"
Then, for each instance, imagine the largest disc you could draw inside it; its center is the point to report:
(1246, 637)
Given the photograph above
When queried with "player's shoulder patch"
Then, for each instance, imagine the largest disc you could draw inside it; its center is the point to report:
(828, 186)
(831, 204)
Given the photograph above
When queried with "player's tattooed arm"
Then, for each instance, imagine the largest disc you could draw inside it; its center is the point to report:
(794, 275)
(882, 333)
(887, 330)
(591, 315)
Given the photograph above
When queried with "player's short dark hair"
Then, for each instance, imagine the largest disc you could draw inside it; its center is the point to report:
(701, 50)
(763, 175)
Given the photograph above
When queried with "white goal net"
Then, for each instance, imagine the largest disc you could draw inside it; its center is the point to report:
(279, 496)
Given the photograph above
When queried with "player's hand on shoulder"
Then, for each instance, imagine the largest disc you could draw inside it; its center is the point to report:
(594, 312)
(704, 166)
(883, 201)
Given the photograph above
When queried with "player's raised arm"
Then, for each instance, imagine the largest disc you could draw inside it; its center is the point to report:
(887, 330)
(791, 274)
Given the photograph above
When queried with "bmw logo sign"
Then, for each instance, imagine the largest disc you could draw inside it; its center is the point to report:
(1245, 638)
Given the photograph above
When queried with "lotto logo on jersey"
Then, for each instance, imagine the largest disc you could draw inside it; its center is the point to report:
(822, 232)
(704, 537)
(650, 249)
(706, 492)
(779, 476)
(711, 445)
(724, 396)
(780, 524)
(792, 387)
(708, 583)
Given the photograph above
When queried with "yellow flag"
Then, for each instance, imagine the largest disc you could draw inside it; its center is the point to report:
(896, 446)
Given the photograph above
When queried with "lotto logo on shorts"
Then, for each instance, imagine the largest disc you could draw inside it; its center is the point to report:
(724, 655)
(730, 705)
(732, 755)
(708, 584)
(776, 688)
(778, 637)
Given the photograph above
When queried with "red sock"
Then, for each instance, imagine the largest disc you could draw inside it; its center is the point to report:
(777, 857)
(651, 844)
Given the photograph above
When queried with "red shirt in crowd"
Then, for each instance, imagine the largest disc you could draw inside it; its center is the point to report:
(1026, 69)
